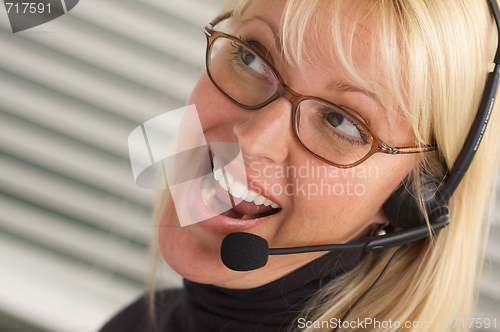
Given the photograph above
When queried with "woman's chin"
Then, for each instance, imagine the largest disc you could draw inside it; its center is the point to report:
(191, 251)
(196, 261)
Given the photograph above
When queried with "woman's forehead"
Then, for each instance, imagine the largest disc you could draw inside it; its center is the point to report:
(314, 23)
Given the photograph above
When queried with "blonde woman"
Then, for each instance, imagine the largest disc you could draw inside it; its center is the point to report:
(335, 105)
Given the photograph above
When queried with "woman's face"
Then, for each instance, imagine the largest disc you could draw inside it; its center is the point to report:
(335, 208)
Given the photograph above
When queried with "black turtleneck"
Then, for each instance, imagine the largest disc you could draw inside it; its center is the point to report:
(207, 308)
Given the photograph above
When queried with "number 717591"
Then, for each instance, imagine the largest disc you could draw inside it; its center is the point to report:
(29, 7)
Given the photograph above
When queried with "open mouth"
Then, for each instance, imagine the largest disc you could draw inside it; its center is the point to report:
(223, 195)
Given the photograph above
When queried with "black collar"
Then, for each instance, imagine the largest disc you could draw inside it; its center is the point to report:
(272, 307)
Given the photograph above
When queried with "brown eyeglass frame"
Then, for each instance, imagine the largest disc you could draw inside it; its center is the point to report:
(295, 99)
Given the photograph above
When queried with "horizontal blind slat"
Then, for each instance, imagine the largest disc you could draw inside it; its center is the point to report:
(70, 158)
(61, 195)
(101, 249)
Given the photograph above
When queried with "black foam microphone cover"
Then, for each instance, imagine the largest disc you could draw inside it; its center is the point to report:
(244, 251)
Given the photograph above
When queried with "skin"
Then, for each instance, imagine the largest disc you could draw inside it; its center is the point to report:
(266, 139)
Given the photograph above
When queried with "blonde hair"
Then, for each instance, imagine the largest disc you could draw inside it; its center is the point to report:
(435, 57)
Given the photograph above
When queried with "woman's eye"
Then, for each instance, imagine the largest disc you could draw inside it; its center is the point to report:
(343, 124)
(252, 61)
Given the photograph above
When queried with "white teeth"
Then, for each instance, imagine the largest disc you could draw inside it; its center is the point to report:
(250, 196)
(228, 184)
(259, 200)
(207, 192)
(206, 197)
(238, 189)
(218, 174)
(217, 170)
(205, 184)
(223, 183)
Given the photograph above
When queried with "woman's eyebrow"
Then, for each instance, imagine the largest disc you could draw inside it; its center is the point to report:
(277, 39)
(341, 86)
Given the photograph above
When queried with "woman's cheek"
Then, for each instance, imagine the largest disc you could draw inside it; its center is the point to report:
(213, 108)
(344, 202)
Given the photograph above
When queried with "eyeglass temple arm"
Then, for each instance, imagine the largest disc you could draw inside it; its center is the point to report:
(405, 150)
(219, 19)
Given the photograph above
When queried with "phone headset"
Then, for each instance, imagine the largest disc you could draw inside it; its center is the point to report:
(244, 251)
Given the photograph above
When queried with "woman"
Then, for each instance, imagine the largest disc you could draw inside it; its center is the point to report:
(410, 73)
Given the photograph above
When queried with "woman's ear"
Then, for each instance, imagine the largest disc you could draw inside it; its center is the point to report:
(379, 222)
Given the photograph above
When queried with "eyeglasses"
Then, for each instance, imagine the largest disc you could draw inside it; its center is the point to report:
(324, 129)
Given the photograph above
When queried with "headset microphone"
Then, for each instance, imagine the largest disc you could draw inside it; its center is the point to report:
(245, 252)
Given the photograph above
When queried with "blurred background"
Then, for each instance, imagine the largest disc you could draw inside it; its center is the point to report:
(74, 227)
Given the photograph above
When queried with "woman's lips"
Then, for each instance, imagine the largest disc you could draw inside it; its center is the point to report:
(218, 223)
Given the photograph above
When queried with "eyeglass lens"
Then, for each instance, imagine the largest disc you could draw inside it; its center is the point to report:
(324, 129)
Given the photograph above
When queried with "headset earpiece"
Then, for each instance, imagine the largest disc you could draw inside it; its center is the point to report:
(402, 207)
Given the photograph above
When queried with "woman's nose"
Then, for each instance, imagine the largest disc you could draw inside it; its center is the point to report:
(266, 132)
